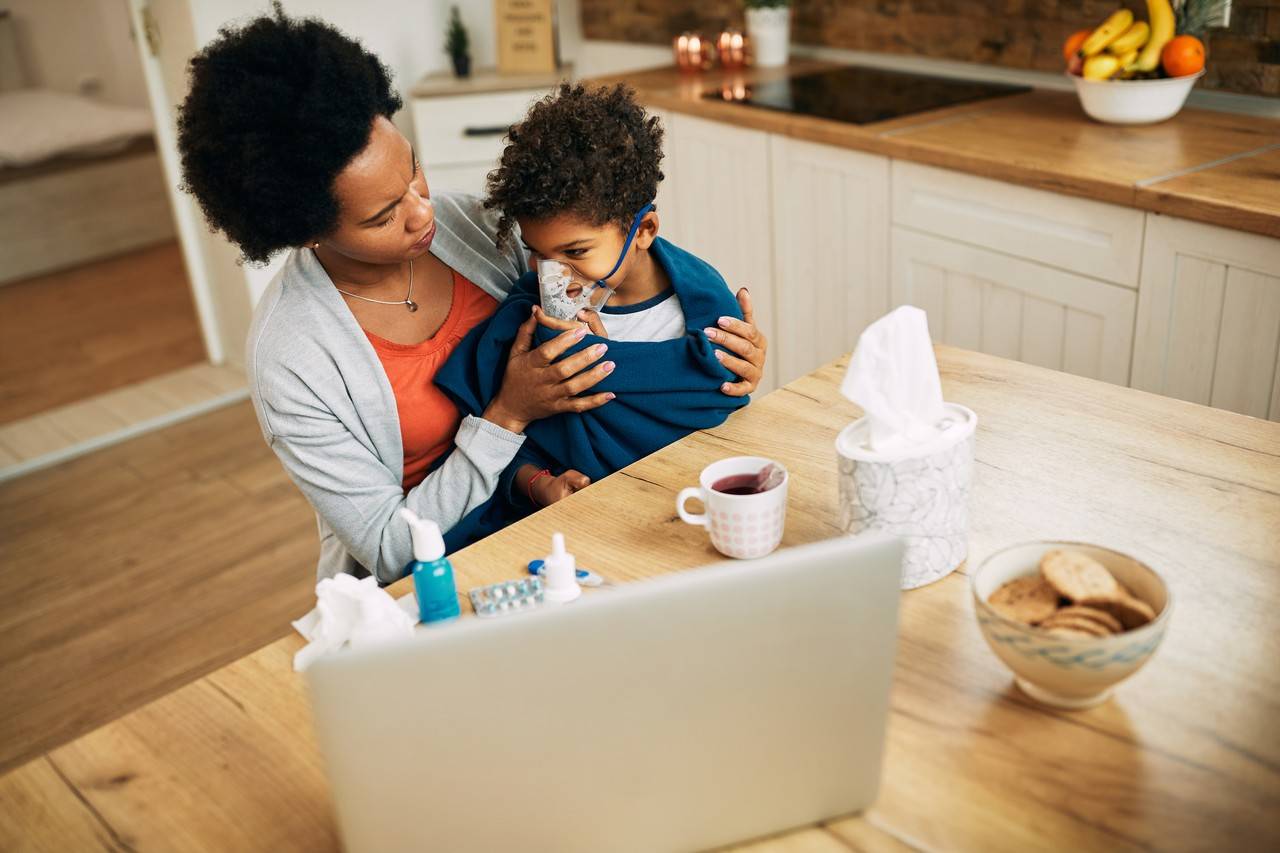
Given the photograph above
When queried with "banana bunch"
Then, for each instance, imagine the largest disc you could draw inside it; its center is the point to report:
(1123, 47)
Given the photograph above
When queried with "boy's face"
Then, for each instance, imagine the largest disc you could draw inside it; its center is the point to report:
(590, 249)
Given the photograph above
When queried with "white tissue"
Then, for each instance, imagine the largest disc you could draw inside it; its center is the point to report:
(893, 376)
(349, 610)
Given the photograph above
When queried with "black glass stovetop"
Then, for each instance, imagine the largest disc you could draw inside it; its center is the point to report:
(860, 95)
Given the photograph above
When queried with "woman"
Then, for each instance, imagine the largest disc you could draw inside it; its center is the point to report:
(287, 143)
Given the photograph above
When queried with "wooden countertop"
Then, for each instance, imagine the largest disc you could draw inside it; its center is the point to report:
(486, 81)
(1185, 756)
(1041, 139)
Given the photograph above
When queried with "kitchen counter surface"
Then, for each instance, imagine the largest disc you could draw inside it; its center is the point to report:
(1185, 756)
(1215, 167)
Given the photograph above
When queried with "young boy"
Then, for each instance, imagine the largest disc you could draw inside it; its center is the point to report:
(579, 177)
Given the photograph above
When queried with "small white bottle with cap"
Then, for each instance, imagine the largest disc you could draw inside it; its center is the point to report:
(559, 575)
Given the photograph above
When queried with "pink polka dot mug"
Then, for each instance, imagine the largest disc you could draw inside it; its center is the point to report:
(743, 526)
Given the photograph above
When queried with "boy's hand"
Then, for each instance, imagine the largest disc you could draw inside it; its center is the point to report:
(548, 490)
(585, 317)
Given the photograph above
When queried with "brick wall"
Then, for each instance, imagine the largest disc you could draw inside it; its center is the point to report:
(1012, 33)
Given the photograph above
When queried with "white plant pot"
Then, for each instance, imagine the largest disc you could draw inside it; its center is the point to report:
(769, 31)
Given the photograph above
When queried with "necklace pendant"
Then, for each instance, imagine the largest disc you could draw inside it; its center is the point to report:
(413, 306)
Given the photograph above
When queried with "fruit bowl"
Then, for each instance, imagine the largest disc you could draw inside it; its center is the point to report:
(1134, 101)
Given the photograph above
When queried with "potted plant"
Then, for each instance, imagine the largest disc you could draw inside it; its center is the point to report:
(457, 44)
(769, 31)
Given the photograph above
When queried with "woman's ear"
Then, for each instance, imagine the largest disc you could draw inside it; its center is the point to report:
(648, 230)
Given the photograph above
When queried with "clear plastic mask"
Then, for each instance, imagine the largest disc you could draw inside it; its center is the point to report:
(565, 291)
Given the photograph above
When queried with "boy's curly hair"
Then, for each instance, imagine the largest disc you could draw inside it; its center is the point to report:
(277, 108)
(593, 153)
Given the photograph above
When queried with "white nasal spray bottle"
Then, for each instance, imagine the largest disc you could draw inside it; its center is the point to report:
(559, 575)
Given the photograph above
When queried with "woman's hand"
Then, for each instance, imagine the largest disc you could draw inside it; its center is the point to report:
(592, 320)
(536, 385)
(748, 344)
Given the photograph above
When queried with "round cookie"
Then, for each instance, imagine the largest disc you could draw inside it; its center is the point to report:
(1076, 623)
(1071, 634)
(1132, 612)
(1102, 617)
(1079, 578)
(1026, 599)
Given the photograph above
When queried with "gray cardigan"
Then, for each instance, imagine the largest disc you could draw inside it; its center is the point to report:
(327, 410)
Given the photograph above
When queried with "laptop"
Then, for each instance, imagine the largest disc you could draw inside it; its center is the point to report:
(679, 713)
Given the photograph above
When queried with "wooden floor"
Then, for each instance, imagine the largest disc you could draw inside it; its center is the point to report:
(128, 572)
(70, 335)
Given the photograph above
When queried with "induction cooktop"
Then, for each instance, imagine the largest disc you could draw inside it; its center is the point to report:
(859, 95)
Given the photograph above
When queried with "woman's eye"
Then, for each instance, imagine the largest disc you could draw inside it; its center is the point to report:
(387, 221)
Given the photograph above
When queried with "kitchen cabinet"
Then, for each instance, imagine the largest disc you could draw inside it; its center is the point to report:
(829, 239)
(720, 197)
(1208, 326)
(831, 248)
(1094, 239)
(460, 137)
(1011, 307)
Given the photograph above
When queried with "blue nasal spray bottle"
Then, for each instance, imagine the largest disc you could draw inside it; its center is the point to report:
(433, 583)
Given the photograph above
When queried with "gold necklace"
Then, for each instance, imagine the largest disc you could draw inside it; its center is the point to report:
(413, 306)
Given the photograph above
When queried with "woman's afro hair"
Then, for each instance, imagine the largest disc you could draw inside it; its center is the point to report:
(592, 153)
(277, 108)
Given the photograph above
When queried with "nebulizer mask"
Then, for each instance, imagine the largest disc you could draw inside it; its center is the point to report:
(565, 291)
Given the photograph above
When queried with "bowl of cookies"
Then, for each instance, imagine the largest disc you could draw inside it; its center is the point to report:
(1071, 620)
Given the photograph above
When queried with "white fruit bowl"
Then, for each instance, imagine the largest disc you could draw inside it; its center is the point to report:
(1134, 101)
(1068, 672)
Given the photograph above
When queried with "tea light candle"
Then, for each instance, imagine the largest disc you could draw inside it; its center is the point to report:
(733, 49)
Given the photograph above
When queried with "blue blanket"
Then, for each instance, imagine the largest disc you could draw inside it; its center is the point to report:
(665, 389)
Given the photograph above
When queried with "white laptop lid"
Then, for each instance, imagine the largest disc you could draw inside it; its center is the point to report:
(680, 713)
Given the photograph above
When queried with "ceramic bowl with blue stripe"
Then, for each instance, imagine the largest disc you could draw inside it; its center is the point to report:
(1068, 672)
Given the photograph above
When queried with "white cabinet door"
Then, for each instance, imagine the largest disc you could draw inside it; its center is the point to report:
(831, 245)
(1209, 317)
(668, 218)
(983, 300)
(720, 198)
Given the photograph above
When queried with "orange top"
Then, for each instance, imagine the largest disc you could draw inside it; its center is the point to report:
(428, 418)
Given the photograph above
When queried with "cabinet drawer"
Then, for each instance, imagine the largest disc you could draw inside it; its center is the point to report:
(1087, 237)
(982, 300)
(467, 128)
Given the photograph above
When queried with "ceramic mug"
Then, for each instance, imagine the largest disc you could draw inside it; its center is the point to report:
(741, 526)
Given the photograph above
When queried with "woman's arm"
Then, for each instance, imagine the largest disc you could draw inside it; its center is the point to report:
(358, 496)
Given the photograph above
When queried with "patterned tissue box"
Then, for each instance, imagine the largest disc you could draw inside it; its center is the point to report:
(921, 495)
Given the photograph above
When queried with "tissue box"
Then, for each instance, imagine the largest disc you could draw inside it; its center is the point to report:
(921, 494)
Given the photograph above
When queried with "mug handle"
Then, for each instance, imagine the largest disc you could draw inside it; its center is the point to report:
(699, 520)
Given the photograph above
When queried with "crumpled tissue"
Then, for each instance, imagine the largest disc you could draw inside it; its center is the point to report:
(893, 376)
(349, 610)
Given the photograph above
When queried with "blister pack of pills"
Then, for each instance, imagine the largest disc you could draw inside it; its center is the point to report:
(499, 599)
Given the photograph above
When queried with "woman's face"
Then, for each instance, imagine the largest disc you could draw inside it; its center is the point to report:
(385, 211)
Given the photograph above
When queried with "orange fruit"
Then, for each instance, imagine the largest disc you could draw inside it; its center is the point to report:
(1183, 55)
(1072, 45)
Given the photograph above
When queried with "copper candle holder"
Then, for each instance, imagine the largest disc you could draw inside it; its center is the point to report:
(693, 52)
(732, 47)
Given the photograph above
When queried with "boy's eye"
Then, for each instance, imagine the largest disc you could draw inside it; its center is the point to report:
(575, 253)
(387, 221)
